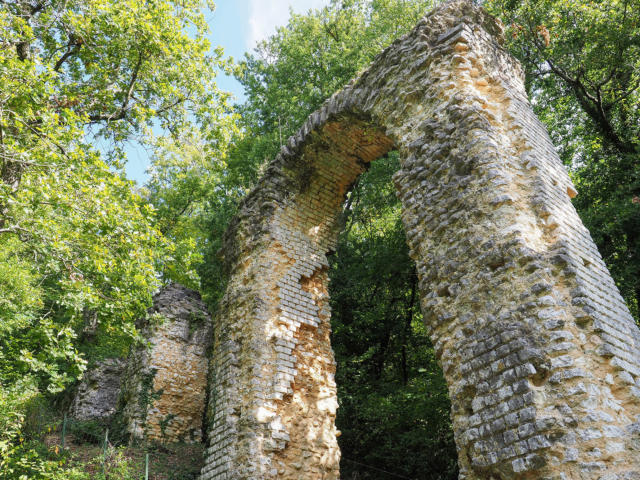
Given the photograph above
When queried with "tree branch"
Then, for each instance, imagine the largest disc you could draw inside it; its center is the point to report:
(14, 229)
(122, 111)
(594, 108)
(132, 82)
(592, 105)
(170, 106)
(169, 226)
(330, 33)
(72, 49)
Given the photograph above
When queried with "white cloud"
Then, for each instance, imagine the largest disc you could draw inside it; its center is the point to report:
(266, 15)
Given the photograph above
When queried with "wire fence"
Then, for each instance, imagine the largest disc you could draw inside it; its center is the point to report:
(78, 432)
(67, 433)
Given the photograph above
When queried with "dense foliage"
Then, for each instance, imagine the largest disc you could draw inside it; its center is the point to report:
(81, 249)
(394, 405)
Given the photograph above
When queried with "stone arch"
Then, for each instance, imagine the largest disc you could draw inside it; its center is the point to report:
(540, 353)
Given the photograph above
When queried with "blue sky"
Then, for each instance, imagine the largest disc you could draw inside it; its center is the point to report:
(237, 26)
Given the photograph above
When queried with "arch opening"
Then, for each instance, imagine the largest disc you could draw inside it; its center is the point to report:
(394, 413)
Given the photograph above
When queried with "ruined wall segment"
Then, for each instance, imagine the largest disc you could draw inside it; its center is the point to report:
(165, 383)
(521, 307)
(160, 389)
(539, 351)
(97, 395)
(273, 410)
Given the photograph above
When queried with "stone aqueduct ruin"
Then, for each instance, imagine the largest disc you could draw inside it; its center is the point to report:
(540, 353)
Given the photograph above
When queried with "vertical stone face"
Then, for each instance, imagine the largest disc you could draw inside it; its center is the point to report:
(541, 355)
(532, 334)
(165, 383)
(161, 388)
(274, 401)
(97, 394)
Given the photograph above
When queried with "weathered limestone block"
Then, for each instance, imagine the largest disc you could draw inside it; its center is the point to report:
(164, 384)
(97, 394)
(540, 353)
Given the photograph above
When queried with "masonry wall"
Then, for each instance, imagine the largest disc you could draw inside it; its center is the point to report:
(539, 351)
(164, 386)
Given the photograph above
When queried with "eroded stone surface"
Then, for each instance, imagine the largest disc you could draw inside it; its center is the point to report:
(165, 383)
(540, 353)
(160, 389)
(97, 394)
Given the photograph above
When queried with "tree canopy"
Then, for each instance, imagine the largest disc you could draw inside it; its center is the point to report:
(81, 247)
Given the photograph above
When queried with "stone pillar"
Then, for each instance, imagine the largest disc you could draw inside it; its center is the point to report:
(541, 355)
(538, 348)
(273, 401)
(164, 385)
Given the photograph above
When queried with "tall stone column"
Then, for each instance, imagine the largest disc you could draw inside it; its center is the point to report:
(541, 355)
(273, 402)
(164, 385)
(538, 348)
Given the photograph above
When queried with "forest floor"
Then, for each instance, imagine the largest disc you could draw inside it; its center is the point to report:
(166, 462)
